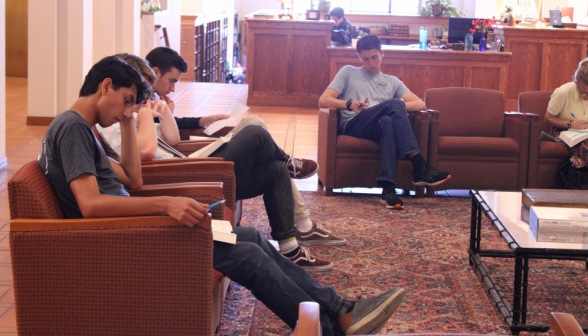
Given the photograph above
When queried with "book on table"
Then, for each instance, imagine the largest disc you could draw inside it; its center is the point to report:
(222, 231)
(555, 198)
(553, 224)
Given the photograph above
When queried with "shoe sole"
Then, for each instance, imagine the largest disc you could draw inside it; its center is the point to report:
(377, 319)
(395, 207)
(318, 268)
(307, 176)
(322, 242)
(431, 184)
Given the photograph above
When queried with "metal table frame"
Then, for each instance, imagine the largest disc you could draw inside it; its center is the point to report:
(515, 317)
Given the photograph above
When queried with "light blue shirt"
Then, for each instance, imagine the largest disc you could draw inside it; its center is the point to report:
(353, 83)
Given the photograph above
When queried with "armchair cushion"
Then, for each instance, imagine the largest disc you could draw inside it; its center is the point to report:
(553, 151)
(351, 145)
(479, 148)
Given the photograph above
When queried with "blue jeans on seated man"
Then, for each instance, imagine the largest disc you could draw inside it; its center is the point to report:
(386, 123)
(253, 262)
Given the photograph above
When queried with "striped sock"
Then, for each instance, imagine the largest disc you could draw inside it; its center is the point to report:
(289, 247)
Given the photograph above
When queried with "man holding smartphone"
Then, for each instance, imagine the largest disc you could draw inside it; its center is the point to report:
(385, 121)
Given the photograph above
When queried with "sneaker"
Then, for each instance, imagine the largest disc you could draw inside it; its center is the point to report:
(305, 259)
(391, 200)
(429, 176)
(301, 168)
(369, 316)
(318, 235)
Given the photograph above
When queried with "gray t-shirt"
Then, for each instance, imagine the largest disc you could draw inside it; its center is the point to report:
(355, 83)
(69, 149)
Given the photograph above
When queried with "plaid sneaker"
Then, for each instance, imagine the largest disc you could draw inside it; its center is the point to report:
(391, 200)
(429, 176)
(301, 168)
(305, 259)
(318, 235)
(369, 316)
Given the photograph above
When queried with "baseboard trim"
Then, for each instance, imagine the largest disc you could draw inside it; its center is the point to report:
(39, 121)
(3, 163)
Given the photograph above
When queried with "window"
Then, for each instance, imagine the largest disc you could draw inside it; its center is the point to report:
(400, 7)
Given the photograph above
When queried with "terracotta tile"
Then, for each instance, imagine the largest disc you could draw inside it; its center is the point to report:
(8, 321)
(6, 295)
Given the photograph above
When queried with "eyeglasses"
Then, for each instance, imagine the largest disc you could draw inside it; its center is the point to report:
(583, 94)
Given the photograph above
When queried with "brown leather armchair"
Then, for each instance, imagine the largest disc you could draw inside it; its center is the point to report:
(352, 162)
(545, 157)
(473, 139)
(118, 275)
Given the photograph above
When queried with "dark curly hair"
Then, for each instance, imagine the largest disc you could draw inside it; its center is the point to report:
(165, 59)
(121, 74)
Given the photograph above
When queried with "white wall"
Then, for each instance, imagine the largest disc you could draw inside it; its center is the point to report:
(247, 7)
(192, 6)
(580, 10)
(3, 162)
(115, 28)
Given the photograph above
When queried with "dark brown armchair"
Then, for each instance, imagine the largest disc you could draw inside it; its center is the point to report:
(139, 275)
(473, 139)
(545, 157)
(352, 162)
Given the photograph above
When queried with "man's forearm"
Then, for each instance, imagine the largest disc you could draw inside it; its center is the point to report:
(146, 136)
(330, 102)
(169, 128)
(415, 105)
(130, 160)
(120, 206)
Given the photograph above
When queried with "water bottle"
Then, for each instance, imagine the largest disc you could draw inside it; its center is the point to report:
(423, 38)
(469, 42)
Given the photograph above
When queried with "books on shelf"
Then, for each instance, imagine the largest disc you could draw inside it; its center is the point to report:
(222, 231)
(564, 225)
(555, 198)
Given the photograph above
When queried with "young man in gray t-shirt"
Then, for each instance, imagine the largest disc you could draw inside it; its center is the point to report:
(373, 106)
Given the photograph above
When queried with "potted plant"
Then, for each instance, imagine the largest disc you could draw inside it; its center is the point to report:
(324, 6)
(481, 26)
(508, 16)
(439, 8)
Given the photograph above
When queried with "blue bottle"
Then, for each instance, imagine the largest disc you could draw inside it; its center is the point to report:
(423, 38)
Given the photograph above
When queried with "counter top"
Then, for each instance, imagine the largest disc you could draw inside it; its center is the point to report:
(454, 54)
(543, 32)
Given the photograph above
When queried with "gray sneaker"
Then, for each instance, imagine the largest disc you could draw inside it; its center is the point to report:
(369, 316)
(318, 235)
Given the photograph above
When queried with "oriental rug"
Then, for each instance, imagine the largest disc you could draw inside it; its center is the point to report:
(423, 249)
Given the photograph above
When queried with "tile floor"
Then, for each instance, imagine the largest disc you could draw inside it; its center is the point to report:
(294, 129)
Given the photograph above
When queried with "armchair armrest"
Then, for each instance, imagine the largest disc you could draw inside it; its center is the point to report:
(534, 143)
(226, 166)
(419, 121)
(564, 324)
(174, 161)
(309, 323)
(516, 126)
(190, 146)
(327, 145)
(433, 155)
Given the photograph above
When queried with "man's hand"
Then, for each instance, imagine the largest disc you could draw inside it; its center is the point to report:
(185, 210)
(359, 106)
(578, 124)
(170, 103)
(205, 121)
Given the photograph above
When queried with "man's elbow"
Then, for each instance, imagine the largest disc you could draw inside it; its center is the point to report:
(136, 183)
(322, 102)
(148, 154)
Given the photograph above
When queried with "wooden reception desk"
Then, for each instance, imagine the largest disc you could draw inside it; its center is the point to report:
(542, 59)
(425, 69)
(287, 62)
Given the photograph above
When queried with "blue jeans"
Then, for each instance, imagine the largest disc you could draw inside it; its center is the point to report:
(386, 123)
(274, 280)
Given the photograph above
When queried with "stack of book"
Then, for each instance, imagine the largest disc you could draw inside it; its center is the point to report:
(558, 215)
(398, 29)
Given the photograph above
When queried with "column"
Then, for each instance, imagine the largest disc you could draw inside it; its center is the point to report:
(116, 28)
(3, 161)
(60, 55)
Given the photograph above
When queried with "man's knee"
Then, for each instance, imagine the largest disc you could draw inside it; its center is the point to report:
(395, 105)
(247, 234)
(255, 120)
(254, 133)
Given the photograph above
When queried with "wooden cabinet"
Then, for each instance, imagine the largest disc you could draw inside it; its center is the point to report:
(426, 69)
(204, 46)
(287, 62)
(542, 59)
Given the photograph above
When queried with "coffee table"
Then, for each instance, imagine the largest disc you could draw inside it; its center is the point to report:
(504, 211)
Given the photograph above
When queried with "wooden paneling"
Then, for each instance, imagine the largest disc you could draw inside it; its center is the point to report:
(188, 46)
(16, 38)
(287, 61)
(542, 59)
(421, 70)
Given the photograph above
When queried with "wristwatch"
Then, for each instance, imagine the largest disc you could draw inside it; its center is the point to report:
(349, 105)
(569, 124)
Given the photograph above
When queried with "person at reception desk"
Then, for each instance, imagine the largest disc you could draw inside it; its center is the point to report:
(568, 108)
(373, 106)
(342, 25)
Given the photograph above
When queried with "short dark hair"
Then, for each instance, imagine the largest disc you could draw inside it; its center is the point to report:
(165, 59)
(369, 42)
(338, 12)
(121, 74)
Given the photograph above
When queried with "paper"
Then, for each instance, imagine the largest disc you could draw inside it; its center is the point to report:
(222, 231)
(196, 137)
(207, 150)
(234, 118)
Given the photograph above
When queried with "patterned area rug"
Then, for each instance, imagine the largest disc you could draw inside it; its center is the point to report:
(422, 249)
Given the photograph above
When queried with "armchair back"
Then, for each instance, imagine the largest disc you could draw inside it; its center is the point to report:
(536, 102)
(467, 111)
